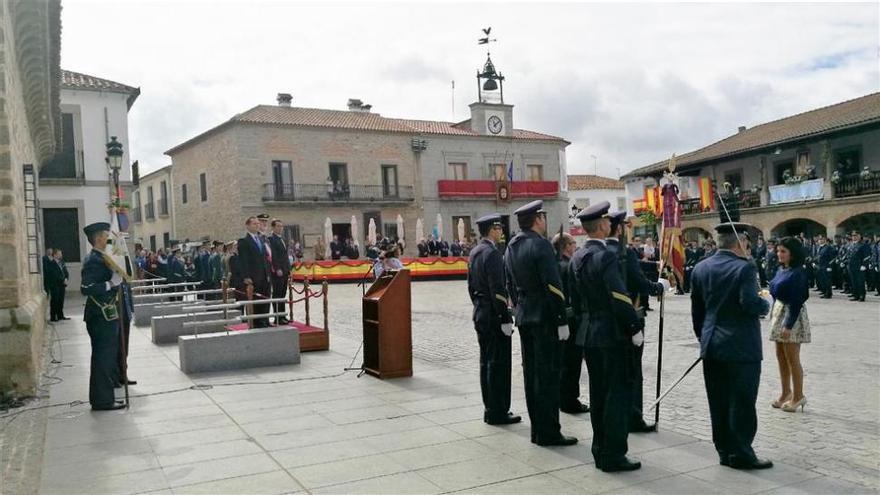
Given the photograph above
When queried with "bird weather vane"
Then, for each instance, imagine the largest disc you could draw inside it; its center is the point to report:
(486, 40)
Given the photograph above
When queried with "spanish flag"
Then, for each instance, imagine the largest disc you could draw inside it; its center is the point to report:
(707, 195)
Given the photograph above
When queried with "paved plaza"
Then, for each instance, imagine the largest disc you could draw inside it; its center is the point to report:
(313, 428)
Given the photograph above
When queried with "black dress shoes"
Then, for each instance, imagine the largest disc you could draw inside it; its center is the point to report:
(642, 427)
(575, 407)
(621, 465)
(749, 464)
(503, 420)
(64, 318)
(561, 440)
(281, 321)
(114, 407)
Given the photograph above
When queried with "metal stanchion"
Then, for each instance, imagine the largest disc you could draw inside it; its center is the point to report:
(306, 292)
(324, 286)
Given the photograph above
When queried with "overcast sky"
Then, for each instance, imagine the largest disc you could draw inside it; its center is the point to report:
(629, 84)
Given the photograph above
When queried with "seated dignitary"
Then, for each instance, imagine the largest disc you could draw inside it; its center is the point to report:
(610, 331)
(101, 285)
(492, 322)
(535, 287)
(726, 307)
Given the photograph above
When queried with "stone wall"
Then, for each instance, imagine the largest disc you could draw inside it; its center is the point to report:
(22, 141)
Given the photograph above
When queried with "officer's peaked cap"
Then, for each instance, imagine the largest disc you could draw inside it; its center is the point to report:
(532, 208)
(595, 211)
(731, 227)
(617, 218)
(490, 219)
(96, 227)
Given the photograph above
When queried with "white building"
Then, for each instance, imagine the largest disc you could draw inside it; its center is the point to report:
(74, 186)
(586, 190)
(153, 209)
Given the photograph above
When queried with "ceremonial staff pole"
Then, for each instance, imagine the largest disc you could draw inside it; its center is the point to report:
(114, 162)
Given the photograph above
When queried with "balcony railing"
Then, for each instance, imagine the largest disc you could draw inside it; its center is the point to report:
(747, 199)
(163, 206)
(489, 188)
(136, 214)
(149, 214)
(336, 194)
(855, 185)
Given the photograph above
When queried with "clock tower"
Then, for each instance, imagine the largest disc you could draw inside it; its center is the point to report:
(490, 116)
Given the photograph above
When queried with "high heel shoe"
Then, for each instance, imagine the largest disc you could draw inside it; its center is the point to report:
(776, 404)
(792, 407)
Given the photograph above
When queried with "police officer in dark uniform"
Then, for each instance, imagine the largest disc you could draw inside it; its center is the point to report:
(492, 321)
(859, 257)
(726, 307)
(100, 285)
(691, 256)
(824, 258)
(535, 288)
(636, 283)
(609, 331)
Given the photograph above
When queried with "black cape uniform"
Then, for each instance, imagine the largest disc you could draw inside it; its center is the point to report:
(104, 334)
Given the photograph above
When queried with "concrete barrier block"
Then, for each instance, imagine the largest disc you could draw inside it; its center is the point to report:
(166, 328)
(144, 314)
(258, 347)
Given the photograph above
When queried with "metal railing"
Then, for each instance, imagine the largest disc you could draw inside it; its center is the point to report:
(338, 193)
(149, 213)
(854, 185)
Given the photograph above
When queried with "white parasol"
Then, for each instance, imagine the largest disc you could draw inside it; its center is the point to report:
(461, 229)
(371, 232)
(400, 233)
(420, 230)
(439, 227)
(354, 230)
(328, 237)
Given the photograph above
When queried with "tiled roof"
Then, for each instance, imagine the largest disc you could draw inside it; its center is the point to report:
(79, 81)
(851, 113)
(585, 182)
(342, 119)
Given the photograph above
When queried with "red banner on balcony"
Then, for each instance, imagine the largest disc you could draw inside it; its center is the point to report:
(489, 188)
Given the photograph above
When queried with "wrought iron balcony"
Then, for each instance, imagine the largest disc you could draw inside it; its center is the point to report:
(747, 199)
(856, 185)
(344, 193)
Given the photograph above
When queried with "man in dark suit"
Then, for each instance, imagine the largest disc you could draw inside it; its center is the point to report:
(825, 255)
(336, 248)
(492, 321)
(609, 331)
(100, 285)
(859, 258)
(637, 286)
(47, 259)
(54, 282)
(252, 259)
(535, 288)
(280, 269)
(444, 248)
(726, 307)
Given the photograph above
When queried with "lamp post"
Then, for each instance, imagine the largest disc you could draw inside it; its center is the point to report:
(114, 163)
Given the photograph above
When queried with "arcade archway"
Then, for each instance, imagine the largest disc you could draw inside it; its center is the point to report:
(695, 234)
(797, 226)
(865, 223)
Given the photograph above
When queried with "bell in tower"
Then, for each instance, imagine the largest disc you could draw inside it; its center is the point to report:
(490, 116)
(490, 83)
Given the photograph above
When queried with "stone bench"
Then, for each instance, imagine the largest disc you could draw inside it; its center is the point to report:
(167, 328)
(145, 312)
(255, 348)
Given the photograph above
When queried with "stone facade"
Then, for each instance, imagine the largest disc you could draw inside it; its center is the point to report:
(154, 219)
(29, 114)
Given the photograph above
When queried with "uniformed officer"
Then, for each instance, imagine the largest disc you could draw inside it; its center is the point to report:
(636, 283)
(492, 321)
(726, 307)
(859, 257)
(824, 258)
(609, 331)
(100, 285)
(535, 288)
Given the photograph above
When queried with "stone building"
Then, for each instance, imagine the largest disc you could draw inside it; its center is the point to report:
(153, 209)
(30, 133)
(304, 165)
(586, 190)
(817, 172)
(75, 183)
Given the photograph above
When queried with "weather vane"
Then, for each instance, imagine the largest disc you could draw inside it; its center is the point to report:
(486, 40)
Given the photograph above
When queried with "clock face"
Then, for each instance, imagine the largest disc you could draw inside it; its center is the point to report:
(494, 124)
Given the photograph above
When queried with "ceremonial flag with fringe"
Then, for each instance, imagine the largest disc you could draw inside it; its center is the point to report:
(671, 242)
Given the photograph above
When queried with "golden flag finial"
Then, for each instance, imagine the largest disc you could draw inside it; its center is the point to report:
(671, 165)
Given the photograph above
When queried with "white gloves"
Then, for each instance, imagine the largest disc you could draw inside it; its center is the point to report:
(828, 269)
(507, 329)
(862, 268)
(665, 283)
(115, 281)
(563, 332)
(767, 297)
(639, 338)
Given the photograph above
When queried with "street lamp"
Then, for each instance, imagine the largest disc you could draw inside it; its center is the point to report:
(114, 155)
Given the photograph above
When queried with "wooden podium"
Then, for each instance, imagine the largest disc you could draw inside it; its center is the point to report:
(387, 316)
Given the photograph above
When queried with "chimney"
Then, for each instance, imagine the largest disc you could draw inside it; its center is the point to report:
(356, 105)
(284, 99)
(742, 128)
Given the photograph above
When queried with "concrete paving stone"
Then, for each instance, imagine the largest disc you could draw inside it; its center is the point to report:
(120, 484)
(271, 483)
(88, 468)
(478, 428)
(172, 441)
(476, 472)
(323, 453)
(644, 442)
(554, 458)
(390, 442)
(95, 452)
(347, 404)
(541, 483)
(272, 413)
(402, 483)
(508, 441)
(681, 458)
(203, 452)
(347, 470)
(284, 425)
(678, 485)
(822, 486)
(752, 481)
(217, 469)
(440, 454)
(385, 411)
(454, 415)
(592, 480)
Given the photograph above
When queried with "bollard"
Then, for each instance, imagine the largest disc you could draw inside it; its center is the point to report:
(324, 286)
(250, 309)
(306, 292)
(290, 297)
